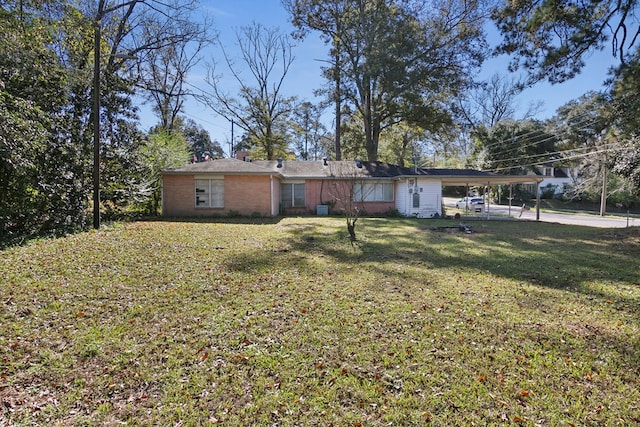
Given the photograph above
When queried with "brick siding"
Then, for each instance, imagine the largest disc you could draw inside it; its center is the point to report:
(246, 195)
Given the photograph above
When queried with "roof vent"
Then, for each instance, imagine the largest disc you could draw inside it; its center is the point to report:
(324, 161)
(359, 163)
(279, 162)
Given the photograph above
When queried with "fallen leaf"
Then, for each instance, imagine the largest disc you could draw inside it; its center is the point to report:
(240, 357)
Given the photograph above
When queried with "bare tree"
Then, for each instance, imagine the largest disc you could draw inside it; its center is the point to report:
(260, 107)
(135, 27)
(349, 190)
(163, 71)
(482, 107)
(493, 101)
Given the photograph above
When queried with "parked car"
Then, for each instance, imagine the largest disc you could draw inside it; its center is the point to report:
(473, 203)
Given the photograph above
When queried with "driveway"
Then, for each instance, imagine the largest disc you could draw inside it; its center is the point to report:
(574, 218)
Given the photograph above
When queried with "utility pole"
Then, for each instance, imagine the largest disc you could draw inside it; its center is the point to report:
(603, 196)
(337, 95)
(306, 132)
(231, 142)
(96, 127)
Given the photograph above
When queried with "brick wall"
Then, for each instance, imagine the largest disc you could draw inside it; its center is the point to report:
(178, 195)
(246, 195)
(316, 191)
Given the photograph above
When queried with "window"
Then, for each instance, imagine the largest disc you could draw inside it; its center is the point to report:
(210, 193)
(293, 195)
(374, 192)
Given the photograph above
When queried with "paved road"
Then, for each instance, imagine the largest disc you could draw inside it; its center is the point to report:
(586, 219)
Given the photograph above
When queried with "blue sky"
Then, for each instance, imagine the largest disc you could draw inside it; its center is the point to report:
(304, 76)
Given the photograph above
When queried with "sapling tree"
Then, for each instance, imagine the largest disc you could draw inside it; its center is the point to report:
(349, 190)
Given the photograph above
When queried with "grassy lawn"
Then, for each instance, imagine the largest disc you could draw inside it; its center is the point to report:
(285, 323)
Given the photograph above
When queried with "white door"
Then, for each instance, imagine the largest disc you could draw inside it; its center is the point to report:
(413, 198)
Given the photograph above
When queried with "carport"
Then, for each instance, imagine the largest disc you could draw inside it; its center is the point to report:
(488, 179)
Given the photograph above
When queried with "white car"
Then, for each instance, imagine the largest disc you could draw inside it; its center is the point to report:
(472, 203)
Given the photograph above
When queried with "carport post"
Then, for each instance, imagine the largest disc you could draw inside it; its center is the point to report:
(537, 201)
(488, 193)
(466, 197)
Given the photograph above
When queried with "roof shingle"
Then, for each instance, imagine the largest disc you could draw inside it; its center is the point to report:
(296, 169)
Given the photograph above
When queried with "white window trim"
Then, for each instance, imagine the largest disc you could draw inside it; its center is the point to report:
(358, 192)
(296, 182)
(209, 179)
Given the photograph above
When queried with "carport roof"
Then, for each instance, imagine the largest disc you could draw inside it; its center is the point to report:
(484, 178)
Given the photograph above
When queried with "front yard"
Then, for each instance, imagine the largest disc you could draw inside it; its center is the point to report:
(284, 322)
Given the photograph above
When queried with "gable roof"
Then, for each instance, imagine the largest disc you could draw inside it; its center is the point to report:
(296, 169)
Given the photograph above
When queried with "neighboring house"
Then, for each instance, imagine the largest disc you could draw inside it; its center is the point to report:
(274, 187)
(553, 180)
(557, 179)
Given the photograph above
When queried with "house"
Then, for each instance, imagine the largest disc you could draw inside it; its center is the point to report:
(273, 187)
(557, 180)
(552, 180)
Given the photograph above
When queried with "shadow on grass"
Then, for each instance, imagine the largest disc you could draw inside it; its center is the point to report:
(598, 266)
(571, 258)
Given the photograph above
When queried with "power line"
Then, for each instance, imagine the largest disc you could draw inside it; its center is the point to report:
(577, 156)
(568, 150)
(550, 137)
(525, 136)
(582, 119)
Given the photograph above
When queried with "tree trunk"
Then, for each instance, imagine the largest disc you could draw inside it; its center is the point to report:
(351, 228)
(372, 132)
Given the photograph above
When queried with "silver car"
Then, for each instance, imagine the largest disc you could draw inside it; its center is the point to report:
(472, 203)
